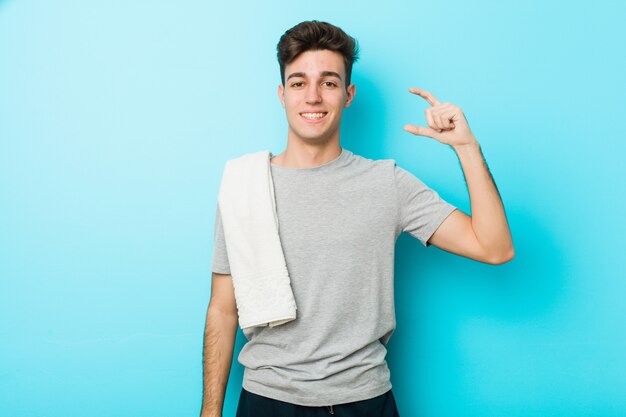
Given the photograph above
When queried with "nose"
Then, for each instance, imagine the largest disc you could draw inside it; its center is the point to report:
(312, 94)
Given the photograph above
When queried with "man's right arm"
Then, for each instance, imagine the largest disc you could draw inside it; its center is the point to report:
(219, 342)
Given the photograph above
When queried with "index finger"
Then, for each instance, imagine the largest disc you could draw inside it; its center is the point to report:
(432, 100)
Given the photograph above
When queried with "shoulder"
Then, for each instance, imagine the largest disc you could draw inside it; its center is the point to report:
(371, 164)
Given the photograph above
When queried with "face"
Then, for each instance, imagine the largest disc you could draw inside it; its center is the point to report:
(314, 96)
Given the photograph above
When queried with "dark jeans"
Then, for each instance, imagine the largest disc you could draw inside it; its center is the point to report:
(253, 405)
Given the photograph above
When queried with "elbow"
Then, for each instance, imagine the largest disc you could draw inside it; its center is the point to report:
(501, 257)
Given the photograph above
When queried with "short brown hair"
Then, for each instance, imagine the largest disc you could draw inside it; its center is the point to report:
(312, 36)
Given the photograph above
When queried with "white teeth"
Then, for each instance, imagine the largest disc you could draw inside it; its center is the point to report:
(313, 116)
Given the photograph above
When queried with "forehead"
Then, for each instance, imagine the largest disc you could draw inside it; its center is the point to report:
(315, 62)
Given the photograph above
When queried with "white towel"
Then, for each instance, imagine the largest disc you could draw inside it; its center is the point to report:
(257, 264)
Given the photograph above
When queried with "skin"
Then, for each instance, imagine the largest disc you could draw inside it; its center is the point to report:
(485, 235)
(310, 86)
(315, 82)
(219, 342)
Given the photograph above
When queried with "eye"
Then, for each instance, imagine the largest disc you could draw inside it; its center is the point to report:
(329, 84)
(297, 84)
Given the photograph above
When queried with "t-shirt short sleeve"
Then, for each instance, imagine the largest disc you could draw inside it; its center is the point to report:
(421, 210)
(220, 256)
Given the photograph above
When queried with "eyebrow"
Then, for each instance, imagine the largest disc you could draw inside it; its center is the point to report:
(323, 74)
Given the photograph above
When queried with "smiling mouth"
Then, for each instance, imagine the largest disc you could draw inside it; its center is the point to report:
(314, 116)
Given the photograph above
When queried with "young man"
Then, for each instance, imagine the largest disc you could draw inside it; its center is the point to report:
(340, 215)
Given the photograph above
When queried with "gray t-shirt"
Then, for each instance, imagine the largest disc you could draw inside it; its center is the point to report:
(338, 225)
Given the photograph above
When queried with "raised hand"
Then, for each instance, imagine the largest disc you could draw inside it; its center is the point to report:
(446, 122)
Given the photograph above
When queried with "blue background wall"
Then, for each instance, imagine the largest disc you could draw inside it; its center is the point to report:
(116, 119)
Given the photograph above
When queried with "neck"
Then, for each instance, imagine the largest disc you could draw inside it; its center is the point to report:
(304, 155)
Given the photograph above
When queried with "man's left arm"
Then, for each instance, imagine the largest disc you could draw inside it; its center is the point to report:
(485, 235)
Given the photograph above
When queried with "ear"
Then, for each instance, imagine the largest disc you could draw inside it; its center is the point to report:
(281, 94)
(350, 93)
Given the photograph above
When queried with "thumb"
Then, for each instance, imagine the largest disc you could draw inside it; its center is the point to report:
(421, 131)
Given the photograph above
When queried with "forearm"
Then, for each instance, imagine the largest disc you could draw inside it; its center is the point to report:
(488, 218)
(219, 341)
